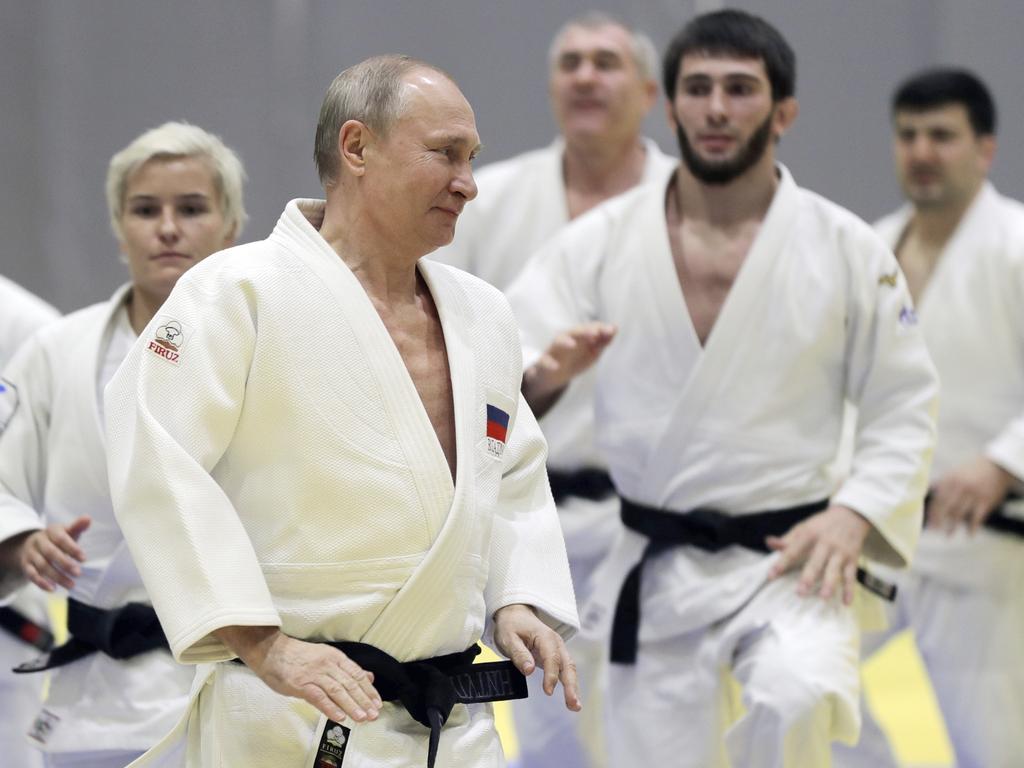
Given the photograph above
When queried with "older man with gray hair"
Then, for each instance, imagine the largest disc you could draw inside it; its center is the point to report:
(602, 83)
(334, 480)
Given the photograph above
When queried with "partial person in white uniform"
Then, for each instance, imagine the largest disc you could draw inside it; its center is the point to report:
(961, 246)
(333, 478)
(736, 312)
(602, 82)
(24, 626)
(174, 196)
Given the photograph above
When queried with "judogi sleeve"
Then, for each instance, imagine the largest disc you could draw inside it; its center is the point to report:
(169, 422)
(25, 395)
(528, 562)
(891, 379)
(1007, 448)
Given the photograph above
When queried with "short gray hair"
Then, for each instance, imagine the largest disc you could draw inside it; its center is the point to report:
(371, 92)
(644, 53)
(175, 140)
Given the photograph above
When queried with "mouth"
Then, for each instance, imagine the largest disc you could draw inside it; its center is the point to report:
(715, 142)
(453, 212)
(170, 256)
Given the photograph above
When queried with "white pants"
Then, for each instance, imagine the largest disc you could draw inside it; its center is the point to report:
(970, 640)
(797, 660)
(20, 695)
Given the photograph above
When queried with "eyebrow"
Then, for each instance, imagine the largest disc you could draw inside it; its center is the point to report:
(727, 76)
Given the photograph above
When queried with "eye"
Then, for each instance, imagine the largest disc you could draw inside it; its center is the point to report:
(567, 62)
(696, 89)
(607, 61)
(192, 209)
(740, 89)
(144, 210)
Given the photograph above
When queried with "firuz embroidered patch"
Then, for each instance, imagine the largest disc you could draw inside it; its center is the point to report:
(497, 430)
(168, 339)
(331, 751)
(8, 403)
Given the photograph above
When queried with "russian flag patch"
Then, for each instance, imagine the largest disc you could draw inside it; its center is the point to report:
(497, 430)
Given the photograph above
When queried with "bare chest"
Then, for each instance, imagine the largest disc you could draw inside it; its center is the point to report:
(707, 266)
(420, 342)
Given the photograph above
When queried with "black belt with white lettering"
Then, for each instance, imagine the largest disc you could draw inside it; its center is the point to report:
(430, 688)
(711, 531)
(997, 519)
(587, 483)
(26, 630)
(120, 633)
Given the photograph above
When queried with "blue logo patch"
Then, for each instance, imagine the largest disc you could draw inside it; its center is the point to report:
(908, 316)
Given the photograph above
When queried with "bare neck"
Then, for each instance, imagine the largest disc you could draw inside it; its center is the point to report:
(604, 168)
(385, 267)
(725, 206)
(934, 226)
(142, 307)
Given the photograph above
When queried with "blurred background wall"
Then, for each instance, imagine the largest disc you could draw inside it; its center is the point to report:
(80, 78)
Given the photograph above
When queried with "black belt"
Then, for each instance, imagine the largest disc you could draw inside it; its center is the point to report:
(997, 519)
(430, 688)
(708, 530)
(26, 630)
(120, 633)
(587, 483)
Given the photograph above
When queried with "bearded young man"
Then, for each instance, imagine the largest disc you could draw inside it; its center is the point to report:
(734, 313)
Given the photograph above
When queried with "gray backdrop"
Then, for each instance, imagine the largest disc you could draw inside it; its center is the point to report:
(81, 78)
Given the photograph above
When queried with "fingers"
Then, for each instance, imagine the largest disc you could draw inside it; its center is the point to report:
(977, 515)
(45, 564)
(359, 684)
(792, 546)
(515, 649)
(79, 526)
(812, 570)
(570, 682)
(832, 577)
(849, 582)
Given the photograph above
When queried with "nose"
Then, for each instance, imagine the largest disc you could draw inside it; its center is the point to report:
(585, 73)
(463, 182)
(167, 226)
(716, 105)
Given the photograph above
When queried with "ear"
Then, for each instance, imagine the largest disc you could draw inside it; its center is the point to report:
(786, 112)
(670, 116)
(353, 139)
(986, 152)
(229, 236)
(650, 94)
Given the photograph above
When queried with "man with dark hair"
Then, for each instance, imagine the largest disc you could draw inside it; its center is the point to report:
(745, 310)
(961, 246)
(602, 80)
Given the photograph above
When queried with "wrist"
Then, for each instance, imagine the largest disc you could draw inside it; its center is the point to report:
(250, 644)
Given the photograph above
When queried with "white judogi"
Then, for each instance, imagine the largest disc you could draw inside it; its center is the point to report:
(21, 314)
(279, 469)
(972, 318)
(52, 460)
(749, 422)
(521, 203)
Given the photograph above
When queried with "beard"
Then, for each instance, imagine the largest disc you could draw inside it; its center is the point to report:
(724, 171)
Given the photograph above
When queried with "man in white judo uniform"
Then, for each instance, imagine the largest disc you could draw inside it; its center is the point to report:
(23, 621)
(961, 246)
(175, 197)
(741, 311)
(334, 478)
(602, 82)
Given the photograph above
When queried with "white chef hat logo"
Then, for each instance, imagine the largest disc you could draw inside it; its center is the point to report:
(336, 736)
(171, 333)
